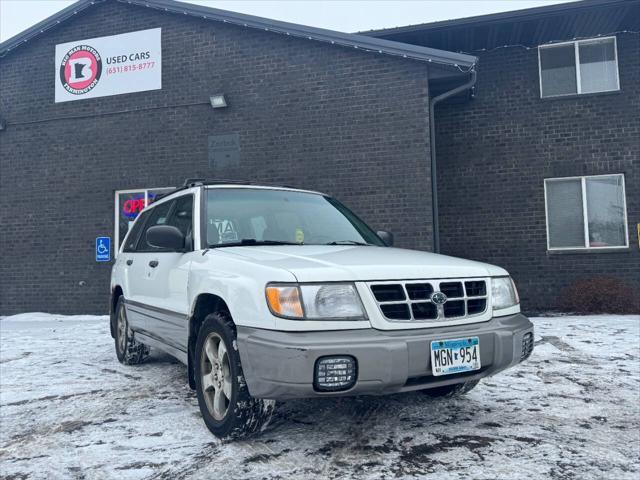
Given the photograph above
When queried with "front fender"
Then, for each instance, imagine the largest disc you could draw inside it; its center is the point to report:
(240, 283)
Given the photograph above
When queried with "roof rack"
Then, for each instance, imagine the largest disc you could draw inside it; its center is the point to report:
(223, 181)
(192, 182)
(188, 183)
(200, 182)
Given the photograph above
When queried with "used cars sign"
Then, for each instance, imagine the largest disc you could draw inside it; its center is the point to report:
(99, 67)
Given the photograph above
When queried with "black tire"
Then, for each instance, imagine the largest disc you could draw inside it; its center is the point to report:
(128, 350)
(448, 391)
(244, 415)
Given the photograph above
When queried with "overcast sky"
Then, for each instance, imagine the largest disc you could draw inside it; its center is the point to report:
(344, 15)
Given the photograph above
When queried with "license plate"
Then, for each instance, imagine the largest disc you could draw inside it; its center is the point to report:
(455, 356)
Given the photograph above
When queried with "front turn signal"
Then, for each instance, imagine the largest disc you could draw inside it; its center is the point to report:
(284, 301)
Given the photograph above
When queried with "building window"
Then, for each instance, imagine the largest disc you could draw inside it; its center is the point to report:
(586, 212)
(584, 66)
(128, 205)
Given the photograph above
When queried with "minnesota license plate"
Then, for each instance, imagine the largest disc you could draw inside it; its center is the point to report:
(455, 356)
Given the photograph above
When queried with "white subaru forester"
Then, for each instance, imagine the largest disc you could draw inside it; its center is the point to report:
(270, 293)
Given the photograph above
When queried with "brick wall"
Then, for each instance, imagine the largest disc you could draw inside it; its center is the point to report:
(495, 151)
(350, 123)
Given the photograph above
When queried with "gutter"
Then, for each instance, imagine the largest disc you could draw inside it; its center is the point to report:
(432, 145)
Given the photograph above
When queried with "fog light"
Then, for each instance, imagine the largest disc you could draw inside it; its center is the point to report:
(333, 374)
(527, 346)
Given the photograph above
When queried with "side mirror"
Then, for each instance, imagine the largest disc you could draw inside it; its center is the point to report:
(166, 237)
(386, 237)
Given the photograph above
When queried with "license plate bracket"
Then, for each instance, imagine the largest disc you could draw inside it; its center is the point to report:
(457, 355)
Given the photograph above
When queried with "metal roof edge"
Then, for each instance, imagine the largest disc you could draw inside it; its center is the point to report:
(357, 41)
(49, 22)
(512, 15)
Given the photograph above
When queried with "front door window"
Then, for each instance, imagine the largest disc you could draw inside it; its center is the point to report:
(129, 204)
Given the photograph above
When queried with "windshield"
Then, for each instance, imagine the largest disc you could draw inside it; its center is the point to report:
(243, 216)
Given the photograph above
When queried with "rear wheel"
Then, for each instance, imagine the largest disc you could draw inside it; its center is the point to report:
(227, 407)
(128, 350)
(448, 391)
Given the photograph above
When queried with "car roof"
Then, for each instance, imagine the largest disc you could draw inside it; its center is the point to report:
(192, 186)
(263, 187)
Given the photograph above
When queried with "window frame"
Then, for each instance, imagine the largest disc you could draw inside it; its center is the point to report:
(173, 201)
(576, 46)
(152, 210)
(585, 213)
(172, 211)
(140, 219)
(116, 211)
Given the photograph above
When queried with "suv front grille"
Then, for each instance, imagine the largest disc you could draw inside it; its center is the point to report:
(388, 293)
(418, 291)
(452, 289)
(396, 311)
(411, 300)
(424, 311)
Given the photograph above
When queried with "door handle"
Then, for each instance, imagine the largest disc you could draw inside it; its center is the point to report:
(130, 261)
(153, 263)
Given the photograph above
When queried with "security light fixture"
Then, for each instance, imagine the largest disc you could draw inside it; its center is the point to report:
(218, 101)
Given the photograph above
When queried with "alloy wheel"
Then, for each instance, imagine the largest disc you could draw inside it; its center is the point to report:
(122, 329)
(216, 376)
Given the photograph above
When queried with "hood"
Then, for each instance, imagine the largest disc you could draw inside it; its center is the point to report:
(322, 263)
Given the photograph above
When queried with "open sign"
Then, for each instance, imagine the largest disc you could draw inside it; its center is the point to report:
(133, 206)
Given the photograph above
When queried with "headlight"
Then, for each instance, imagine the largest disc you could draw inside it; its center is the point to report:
(332, 301)
(503, 293)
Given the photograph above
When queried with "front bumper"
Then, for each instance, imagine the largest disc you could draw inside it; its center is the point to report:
(280, 365)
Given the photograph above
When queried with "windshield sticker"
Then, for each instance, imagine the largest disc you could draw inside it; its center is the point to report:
(226, 231)
(299, 235)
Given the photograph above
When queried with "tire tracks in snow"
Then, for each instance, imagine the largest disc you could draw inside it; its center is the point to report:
(355, 439)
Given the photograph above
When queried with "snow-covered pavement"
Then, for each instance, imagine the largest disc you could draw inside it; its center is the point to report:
(68, 409)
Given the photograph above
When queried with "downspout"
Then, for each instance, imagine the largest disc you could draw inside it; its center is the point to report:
(432, 144)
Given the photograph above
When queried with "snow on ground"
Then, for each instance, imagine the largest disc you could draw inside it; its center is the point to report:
(68, 409)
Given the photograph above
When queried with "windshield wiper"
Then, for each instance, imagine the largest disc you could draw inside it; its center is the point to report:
(349, 242)
(252, 242)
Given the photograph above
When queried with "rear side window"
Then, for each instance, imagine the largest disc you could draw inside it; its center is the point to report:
(158, 216)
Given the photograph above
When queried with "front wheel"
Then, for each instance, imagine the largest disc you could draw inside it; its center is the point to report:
(227, 407)
(128, 350)
(448, 391)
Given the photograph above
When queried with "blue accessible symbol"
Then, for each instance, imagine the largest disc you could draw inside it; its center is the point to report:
(103, 249)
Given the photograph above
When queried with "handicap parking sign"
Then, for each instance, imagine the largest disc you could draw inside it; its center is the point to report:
(103, 249)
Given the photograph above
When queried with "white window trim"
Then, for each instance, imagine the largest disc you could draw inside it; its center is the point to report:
(576, 44)
(585, 217)
(116, 211)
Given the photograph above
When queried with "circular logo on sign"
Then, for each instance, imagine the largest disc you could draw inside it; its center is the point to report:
(438, 298)
(80, 69)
